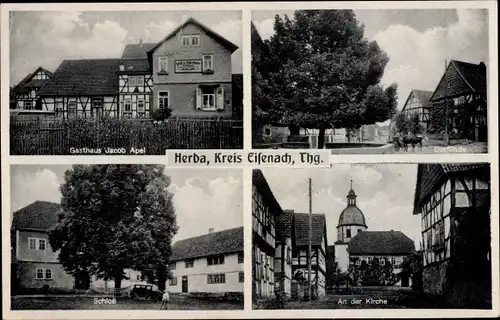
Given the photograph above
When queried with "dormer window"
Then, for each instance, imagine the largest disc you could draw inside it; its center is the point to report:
(190, 40)
(208, 63)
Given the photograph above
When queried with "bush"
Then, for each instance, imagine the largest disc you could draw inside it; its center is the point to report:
(161, 114)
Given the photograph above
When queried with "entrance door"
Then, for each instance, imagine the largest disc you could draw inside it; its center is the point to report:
(184, 284)
(97, 107)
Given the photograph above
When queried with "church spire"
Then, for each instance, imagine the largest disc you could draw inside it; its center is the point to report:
(351, 197)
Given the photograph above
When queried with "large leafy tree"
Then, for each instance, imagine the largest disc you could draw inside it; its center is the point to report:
(116, 217)
(321, 72)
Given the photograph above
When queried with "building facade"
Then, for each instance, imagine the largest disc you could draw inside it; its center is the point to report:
(189, 71)
(285, 240)
(265, 209)
(318, 250)
(417, 103)
(211, 264)
(462, 95)
(453, 201)
(24, 96)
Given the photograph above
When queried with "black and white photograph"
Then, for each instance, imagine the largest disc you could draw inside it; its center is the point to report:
(371, 81)
(125, 82)
(99, 237)
(362, 236)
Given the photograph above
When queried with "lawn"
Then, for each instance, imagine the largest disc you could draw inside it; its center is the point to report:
(87, 303)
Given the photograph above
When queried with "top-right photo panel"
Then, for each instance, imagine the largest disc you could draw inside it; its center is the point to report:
(371, 81)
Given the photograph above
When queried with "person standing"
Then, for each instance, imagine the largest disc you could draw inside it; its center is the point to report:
(165, 300)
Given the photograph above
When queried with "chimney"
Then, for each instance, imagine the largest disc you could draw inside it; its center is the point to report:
(211, 230)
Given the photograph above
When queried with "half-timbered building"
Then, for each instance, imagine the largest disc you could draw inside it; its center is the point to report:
(318, 250)
(418, 103)
(82, 88)
(285, 239)
(463, 89)
(25, 93)
(265, 209)
(453, 201)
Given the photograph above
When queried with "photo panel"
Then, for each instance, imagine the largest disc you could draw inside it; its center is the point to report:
(370, 236)
(115, 237)
(371, 81)
(125, 82)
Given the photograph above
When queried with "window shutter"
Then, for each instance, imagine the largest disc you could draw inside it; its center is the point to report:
(220, 98)
(198, 98)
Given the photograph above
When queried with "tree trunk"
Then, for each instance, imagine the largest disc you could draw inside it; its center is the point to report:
(348, 134)
(118, 279)
(321, 138)
(162, 278)
(294, 130)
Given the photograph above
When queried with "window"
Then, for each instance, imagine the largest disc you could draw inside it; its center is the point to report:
(190, 40)
(208, 98)
(59, 109)
(439, 234)
(41, 244)
(127, 108)
(163, 101)
(267, 131)
(71, 109)
(172, 266)
(216, 278)
(173, 281)
(241, 276)
(28, 104)
(348, 232)
(48, 273)
(39, 274)
(163, 64)
(393, 261)
(208, 62)
(132, 81)
(189, 263)
(140, 107)
(138, 277)
(32, 243)
(381, 261)
(240, 257)
(215, 260)
(370, 259)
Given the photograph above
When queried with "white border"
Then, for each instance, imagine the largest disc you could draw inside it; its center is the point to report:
(247, 7)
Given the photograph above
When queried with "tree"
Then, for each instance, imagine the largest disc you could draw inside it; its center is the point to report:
(115, 217)
(321, 73)
(401, 124)
(414, 126)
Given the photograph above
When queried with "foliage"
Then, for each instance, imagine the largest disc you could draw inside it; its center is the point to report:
(161, 114)
(115, 217)
(373, 273)
(320, 72)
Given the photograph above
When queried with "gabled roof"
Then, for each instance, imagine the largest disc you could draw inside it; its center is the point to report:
(40, 215)
(284, 224)
(381, 242)
(83, 77)
(28, 82)
(423, 97)
(302, 229)
(473, 75)
(223, 41)
(222, 242)
(137, 50)
(431, 175)
(261, 184)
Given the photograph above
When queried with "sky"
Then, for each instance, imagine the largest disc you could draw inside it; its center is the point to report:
(385, 194)
(203, 198)
(417, 41)
(45, 38)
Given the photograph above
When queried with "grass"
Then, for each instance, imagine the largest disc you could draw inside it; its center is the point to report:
(87, 303)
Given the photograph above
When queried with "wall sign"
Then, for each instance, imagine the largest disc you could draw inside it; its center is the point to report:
(188, 66)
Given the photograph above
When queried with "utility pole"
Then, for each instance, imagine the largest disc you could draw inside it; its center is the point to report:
(309, 249)
(446, 135)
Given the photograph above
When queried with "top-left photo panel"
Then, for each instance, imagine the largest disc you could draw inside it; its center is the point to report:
(125, 82)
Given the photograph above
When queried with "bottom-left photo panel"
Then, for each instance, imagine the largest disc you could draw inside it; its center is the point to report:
(126, 237)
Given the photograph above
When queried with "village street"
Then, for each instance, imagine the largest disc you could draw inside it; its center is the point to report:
(88, 303)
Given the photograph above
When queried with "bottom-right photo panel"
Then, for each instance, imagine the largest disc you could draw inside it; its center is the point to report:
(372, 236)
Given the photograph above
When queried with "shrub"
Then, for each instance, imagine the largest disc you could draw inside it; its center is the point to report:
(161, 114)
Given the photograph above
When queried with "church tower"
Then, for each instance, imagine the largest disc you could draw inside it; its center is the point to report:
(351, 222)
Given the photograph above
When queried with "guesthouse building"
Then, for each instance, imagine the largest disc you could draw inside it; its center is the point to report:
(211, 264)
(188, 71)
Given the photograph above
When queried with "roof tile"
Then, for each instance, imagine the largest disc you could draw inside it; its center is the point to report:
(381, 242)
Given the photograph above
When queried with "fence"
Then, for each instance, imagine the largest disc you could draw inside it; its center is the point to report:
(84, 136)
